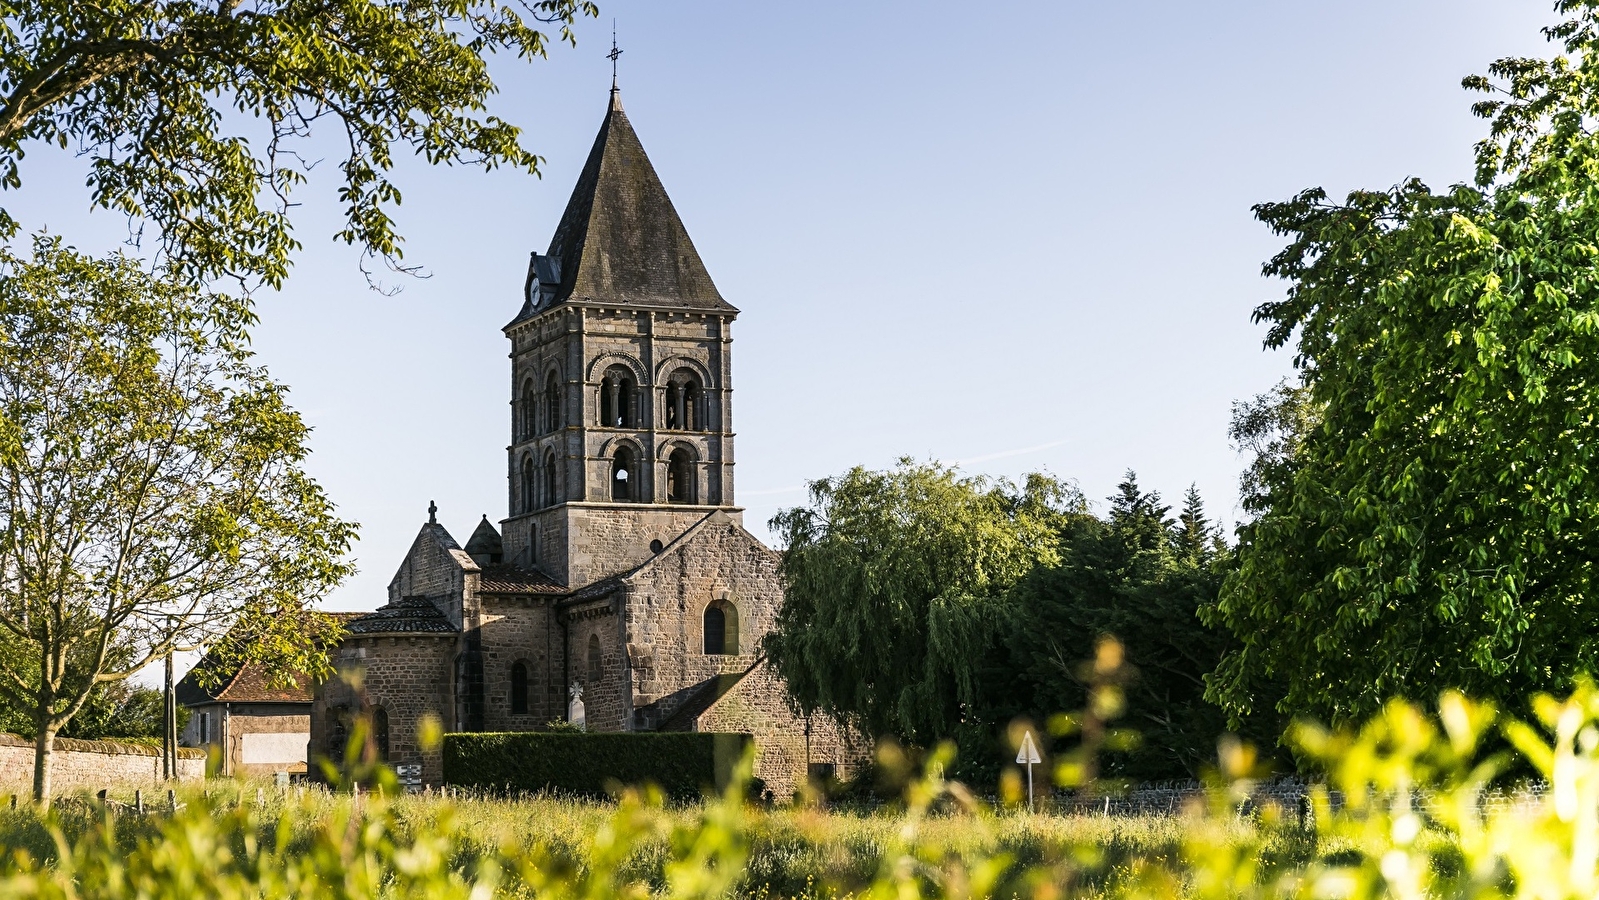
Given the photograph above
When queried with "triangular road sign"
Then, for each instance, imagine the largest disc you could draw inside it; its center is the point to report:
(1029, 752)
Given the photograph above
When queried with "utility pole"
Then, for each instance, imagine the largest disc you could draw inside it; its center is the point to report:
(168, 727)
(169, 721)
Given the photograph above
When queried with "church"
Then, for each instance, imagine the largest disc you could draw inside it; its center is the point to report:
(622, 589)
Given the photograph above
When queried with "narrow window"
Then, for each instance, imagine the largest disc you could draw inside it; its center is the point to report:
(550, 498)
(691, 408)
(552, 404)
(380, 733)
(715, 630)
(624, 475)
(205, 728)
(680, 477)
(596, 666)
(338, 735)
(529, 482)
(518, 689)
(721, 629)
(527, 413)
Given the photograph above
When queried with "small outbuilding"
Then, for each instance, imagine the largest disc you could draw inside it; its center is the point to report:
(258, 727)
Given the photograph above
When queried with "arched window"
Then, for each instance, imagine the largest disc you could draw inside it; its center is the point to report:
(380, 733)
(619, 399)
(721, 629)
(529, 483)
(527, 413)
(680, 481)
(684, 402)
(552, 404)
(624, 475)
(596, 665)
(518, 689)
(338, 735)
(550, 497)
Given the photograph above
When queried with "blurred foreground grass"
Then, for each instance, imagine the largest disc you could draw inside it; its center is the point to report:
(1401, 815)
(791, 852)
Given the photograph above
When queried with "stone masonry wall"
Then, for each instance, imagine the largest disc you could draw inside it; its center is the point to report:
(238, 724)
(666, 610)
(607, 540)
(91, 765)
(410, 677)
(785, 747)
(522, 629)
(435, 568)
(604, 704)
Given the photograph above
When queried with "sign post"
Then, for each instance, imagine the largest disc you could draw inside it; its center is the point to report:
(1028, 755)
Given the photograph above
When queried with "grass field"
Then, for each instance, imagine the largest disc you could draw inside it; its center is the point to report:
(808, 852)
(1410, 811)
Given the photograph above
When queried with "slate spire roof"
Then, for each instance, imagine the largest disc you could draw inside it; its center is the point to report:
(620, 239)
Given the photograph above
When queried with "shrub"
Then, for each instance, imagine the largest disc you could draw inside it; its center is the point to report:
(681, 764)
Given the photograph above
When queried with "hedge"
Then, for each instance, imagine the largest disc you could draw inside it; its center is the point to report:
(682, 764)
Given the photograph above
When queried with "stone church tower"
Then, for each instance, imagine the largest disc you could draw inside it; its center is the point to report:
(622, 575)
(621, 377)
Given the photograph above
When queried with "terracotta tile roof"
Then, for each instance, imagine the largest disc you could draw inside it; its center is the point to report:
(247, 684)
(505, 578)
(620, 239)
(408, 615)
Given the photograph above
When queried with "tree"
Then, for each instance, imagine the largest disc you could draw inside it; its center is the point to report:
(151, 490)
(895, 585)
(1140, 577)
(1438, 525)
(191, 115)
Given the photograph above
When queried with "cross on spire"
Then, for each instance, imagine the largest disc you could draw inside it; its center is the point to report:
(614, 55)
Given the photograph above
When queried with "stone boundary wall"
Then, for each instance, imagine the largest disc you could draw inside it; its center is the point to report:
(92, 765)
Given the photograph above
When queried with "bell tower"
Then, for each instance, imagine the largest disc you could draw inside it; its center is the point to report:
(621, 377)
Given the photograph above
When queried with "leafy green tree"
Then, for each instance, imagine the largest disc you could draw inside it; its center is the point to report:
(192, 116)
(1141, 577)
(896, 585)
(118, 709)
(1438, 527)
(151, 486)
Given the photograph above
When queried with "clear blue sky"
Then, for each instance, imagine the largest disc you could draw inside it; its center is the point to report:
(1012, 234)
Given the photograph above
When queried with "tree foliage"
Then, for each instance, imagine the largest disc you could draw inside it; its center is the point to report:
(1438, 525)
(924, 605)
(192, 116)
(894, 584)
(151, 491)
(1141, 576)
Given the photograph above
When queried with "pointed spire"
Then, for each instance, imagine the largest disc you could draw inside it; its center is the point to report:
(484, 546)
(620, 239)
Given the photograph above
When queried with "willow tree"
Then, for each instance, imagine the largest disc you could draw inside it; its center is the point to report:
(152, 495)
(1435, 521)
(895, 589)
(193, 117)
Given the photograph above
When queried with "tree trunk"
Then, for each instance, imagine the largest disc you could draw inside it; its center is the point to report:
(43, 747)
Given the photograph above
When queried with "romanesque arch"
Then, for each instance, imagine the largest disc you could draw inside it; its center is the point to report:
(720, 627)
(671, 364)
